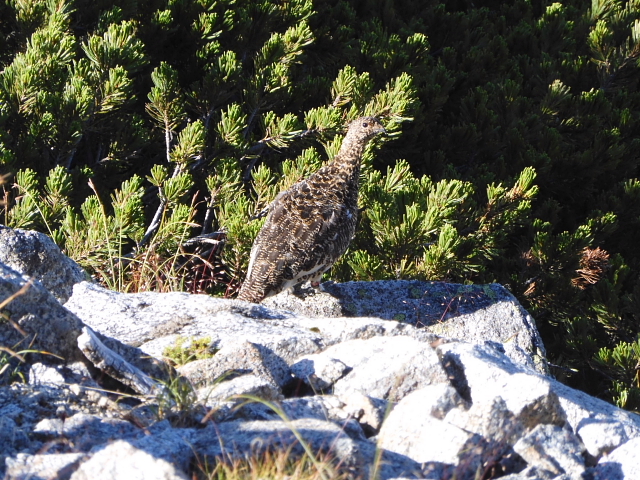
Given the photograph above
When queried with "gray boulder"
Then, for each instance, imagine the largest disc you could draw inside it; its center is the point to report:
(382, 367)
(621, 463)
(424, 438)
(42, 466)
(35, 255)
(553, 449)
(481, 373)
(122, 460)
(36, 318)
(153, 321)
(38, 321)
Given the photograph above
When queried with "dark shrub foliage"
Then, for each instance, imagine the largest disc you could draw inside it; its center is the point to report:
(128, 128)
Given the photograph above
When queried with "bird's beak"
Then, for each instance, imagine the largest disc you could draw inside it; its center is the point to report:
(382, 129)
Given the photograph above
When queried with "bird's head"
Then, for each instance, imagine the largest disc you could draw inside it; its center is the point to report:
(364, 128)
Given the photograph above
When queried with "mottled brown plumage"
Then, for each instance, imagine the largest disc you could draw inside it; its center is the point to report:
(310, 225)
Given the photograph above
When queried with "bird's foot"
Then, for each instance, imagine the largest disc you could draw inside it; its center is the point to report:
(325, 285)
(307, 289)
(319, 287)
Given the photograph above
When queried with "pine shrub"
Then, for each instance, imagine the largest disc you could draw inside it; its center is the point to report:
(130, 129)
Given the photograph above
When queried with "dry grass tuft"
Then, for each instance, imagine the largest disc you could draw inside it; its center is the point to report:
(272, 465)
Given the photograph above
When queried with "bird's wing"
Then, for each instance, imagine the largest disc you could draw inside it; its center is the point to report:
(298, 234)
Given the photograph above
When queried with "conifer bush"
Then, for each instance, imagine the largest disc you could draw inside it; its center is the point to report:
(129, 130)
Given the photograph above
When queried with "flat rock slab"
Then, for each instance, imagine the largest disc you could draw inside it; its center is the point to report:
(472, 313)
(153, 321)
(411, 301)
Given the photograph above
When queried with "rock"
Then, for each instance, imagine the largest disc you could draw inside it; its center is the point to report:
(421, 438)
(40, 374)
(164, 442)
(42, 467)
(552, 448)
(87, 431)
(40, 322)
(240, 357)
(602, 435)
(321, 407)
(370, 412)
(223, 391)
(320, 372)
(414, 428)
(411, 429)
(533, 473)
(12, 438)
(439, 400)
(117, 367)
(39, 316)
(601, 426)
(35, 255)
(152, 321)
(386, 465)
(122, 460)
(479, 373)
(622, 463)
(493, 420)
(374, 365)
(473, 313)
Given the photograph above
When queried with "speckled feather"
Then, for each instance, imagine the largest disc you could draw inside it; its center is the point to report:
(310, 225)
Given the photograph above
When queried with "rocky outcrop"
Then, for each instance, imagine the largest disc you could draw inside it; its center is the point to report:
(471, 313)
(37, 256)
(476, 314)
(463, 396)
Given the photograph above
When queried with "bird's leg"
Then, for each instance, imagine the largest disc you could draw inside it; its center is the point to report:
(315, 281)
(309, 287)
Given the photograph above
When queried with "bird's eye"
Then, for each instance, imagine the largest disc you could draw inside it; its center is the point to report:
(365, 124)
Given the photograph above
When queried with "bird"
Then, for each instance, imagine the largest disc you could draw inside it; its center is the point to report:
(310, 225)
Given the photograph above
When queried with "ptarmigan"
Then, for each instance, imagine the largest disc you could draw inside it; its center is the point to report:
(310, 225)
